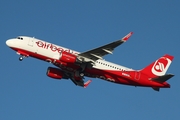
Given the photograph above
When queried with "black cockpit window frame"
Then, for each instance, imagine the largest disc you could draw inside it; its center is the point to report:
(20, 38)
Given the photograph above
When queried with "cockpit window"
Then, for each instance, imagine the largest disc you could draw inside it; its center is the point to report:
(20, 38)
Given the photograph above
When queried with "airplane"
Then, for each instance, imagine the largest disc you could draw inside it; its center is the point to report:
(73, 65)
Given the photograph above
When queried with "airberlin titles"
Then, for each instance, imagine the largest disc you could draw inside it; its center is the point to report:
(53, 48)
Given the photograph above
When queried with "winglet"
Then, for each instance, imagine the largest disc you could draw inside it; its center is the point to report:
(125, 38)
(87, 83)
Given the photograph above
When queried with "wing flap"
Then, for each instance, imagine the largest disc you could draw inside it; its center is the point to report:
(96, 56)
(108, 51)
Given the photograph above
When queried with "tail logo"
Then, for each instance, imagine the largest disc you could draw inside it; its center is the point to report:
(160, 66)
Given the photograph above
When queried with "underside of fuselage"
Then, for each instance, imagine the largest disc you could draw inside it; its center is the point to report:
(31, 47)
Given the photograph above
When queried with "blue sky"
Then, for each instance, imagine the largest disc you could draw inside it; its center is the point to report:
(26, 92)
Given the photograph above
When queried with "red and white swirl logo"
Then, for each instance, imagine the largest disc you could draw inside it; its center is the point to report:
(160, 66)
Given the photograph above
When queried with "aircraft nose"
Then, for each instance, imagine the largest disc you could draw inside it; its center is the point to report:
(9, 42)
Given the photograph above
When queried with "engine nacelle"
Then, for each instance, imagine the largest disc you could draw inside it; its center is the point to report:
(54, 73)
(68, 57)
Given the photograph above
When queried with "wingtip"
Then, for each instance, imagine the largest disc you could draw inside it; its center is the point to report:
(125, 38)
(87, 83)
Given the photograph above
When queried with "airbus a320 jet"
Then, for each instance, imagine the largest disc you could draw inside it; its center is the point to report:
(73, 65)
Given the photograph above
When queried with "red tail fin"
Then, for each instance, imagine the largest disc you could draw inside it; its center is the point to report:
(159, 67)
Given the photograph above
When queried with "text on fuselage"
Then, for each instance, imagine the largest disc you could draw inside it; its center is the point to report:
(53, 48)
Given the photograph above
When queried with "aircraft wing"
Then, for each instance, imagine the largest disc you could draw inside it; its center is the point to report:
(81, 82)
(78, 80)
(99, 52)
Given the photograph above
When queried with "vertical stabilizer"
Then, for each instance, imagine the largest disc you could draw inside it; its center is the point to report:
(159, 67)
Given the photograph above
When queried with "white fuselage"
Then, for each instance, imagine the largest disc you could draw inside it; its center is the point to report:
(30, 46)
(50, 50)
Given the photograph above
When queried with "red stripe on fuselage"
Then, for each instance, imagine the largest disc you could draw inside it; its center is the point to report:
(116, 76)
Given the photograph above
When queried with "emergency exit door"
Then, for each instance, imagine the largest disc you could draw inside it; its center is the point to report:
(31, 42)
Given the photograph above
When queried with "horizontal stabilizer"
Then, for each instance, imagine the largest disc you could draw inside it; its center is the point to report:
(156, 88)
(163, 78)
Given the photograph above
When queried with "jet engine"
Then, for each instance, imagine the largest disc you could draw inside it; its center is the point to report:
(68, 57)
(55, 73)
